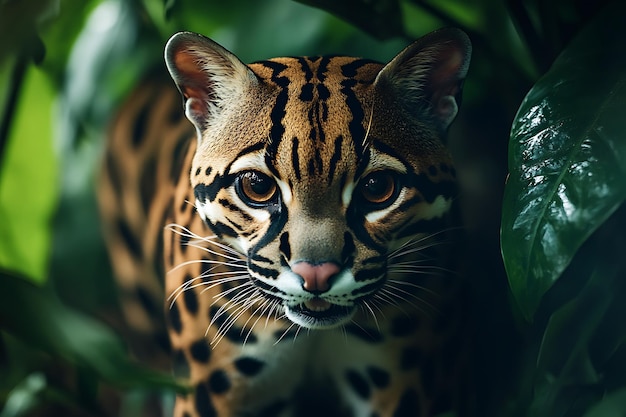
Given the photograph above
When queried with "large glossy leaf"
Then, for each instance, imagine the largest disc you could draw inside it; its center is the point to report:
(567, 159)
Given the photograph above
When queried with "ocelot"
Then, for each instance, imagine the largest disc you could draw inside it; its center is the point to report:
(297, 240)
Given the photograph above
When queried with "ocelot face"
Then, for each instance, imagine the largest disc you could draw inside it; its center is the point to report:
(322, 172)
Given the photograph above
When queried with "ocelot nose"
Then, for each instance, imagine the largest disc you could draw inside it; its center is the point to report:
(316, 277)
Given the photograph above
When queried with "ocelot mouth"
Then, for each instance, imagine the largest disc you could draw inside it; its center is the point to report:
(319, 314)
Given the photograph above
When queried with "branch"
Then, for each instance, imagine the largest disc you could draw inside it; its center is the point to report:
(16, 80)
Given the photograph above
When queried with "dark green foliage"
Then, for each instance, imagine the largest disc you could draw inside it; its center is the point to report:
(551, 344)
(567, 160)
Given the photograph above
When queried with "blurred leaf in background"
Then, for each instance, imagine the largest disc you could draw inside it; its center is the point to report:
(28, 196)
(570, 361)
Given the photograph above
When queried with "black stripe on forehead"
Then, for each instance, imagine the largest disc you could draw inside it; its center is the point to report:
(356, 125)
(335, 158)
(279, 109)
(250, 149)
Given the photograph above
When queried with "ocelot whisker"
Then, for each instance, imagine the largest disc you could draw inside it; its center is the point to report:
(284, 333)
(372, 313)
(187, 285)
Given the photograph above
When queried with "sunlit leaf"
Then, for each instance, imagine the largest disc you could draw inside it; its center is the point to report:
(28, 181)
(567, 160)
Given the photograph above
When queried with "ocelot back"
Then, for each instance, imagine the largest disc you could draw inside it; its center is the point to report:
(302, 243)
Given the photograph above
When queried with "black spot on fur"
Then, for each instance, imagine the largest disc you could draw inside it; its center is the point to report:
(283, 335)
(184, 242)
(191, 300)
(432, 170)
(217, 320)
(113, 173)
(219, 382)
(403, 326)
(238, 335)
(234, 334)
(140, 123)
(285, 248)
(358, 384)
(173, 315)
(409, 405)
(347, 252)
(147, 184)
(180, 365)
(203, 401)
(178, 157)
(176, 113)
(132, 244)
(146, 301)
(380, 378)
(249, 366)
(162, 339)
(200, 350)
(159, 258)
(411, 358)
(369, 274)
(184, 206)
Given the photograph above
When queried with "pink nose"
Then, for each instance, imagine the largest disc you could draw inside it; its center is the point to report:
(316, 277)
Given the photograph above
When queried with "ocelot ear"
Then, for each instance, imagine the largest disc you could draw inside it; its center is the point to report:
(427, 76)
(209, 77)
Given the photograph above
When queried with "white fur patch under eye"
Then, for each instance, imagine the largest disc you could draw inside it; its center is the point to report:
(200, 209)
(437, 208)
(374, 216)
(346, 195)
(260, 215)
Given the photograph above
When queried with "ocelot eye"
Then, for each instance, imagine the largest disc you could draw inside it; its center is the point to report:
(379, 189)
(256, 188)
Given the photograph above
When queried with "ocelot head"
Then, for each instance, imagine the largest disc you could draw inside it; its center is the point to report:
(323, 172)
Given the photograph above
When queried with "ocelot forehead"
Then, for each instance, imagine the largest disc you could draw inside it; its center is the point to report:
(319, 116)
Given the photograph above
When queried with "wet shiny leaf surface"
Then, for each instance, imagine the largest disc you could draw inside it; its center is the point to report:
(567, 160)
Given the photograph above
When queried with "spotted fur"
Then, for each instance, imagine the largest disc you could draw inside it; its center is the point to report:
(299, 231)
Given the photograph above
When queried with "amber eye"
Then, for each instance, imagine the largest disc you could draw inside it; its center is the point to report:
(379, 188)
(255, 188)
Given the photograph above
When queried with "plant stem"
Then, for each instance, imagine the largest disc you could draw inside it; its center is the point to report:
(540, 53)
(16, 80)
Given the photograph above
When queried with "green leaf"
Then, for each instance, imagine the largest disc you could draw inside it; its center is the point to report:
(34, 315)
(564, 363)
(567, 160)
(379, 18)
(613, 405)
(28, 181)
